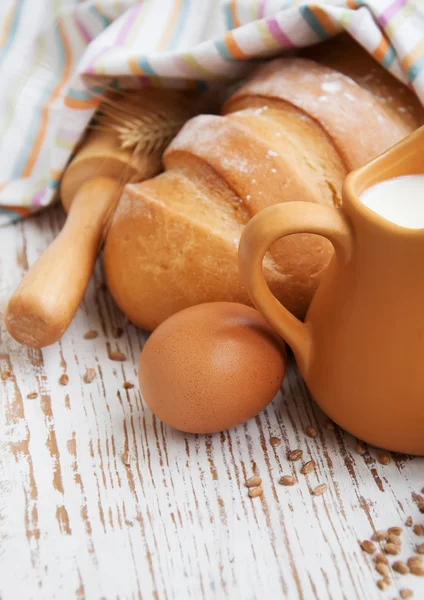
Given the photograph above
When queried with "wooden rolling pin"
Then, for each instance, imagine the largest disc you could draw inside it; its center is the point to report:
(124, 145)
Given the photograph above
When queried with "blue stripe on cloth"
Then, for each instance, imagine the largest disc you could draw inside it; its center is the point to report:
(106, 22)
(313, 22)
(76, 94)
(179, 26)
(12, 31)
(53, 184)
(221, 46)
(389, 57)
(416, 69)
(228, 16)
(144, 65)
(10, 215)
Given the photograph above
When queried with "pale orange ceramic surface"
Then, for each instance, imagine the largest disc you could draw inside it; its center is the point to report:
(361, 348)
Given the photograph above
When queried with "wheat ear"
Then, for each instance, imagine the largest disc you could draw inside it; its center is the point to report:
(144, 121)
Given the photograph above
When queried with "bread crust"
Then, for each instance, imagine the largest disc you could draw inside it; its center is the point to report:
(173, 241)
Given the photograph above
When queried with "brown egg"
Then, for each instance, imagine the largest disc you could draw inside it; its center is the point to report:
(211, 367)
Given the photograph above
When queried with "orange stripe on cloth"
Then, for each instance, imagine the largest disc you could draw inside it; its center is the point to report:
(23, 211)
(232, 46)
(134, 67)
(324, 19)
(82, 104)
(55, 174)
(234, 13)
(380, 51)
(412, 56)
(45, 111)
(163, 42)
(7, 24)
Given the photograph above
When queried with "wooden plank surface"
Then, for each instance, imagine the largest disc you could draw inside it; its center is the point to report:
(98, 499)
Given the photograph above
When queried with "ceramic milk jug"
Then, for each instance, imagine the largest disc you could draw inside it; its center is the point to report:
(361, 347)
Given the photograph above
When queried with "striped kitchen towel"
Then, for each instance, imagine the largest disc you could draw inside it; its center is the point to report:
(58, 56)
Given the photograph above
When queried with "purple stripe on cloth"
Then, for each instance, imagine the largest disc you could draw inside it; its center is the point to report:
(90, 68)
(144, 81)
(37, 198)
(128, 23)
(385, 17)
(83, 30)
(277, 33)
(68, 135)
(261, 9)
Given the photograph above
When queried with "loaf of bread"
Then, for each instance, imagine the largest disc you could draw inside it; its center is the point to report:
(291, 132)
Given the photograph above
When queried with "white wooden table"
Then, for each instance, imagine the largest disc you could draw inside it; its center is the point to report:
(99, 500)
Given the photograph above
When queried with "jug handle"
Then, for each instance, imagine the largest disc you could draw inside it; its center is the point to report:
(265, 228)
